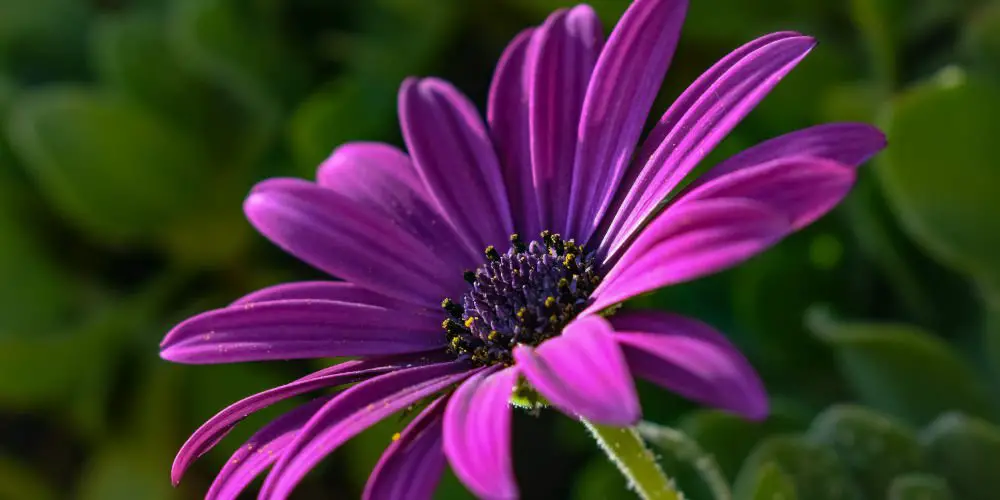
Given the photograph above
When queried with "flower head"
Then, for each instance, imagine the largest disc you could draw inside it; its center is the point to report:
(487, 258)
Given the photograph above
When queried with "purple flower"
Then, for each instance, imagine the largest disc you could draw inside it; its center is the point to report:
(596, 218)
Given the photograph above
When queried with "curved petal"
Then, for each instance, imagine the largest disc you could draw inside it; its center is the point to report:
(340, 291)
(621, 92)
(412, 465)
(260, 451)
(697, 122)
(382, 179)
(206, 437)
(507, 116)
(295, 329)
(690, 358)
(583, 372)
(561, 57)
(353, 411)
(690, 240)
(800, 188)
(454, 157)
(339, 236)
(477, 434)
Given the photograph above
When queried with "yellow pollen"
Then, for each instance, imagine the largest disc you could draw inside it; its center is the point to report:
(395, 437)
(470, 321)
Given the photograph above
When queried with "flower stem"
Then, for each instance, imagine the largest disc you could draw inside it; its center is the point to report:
(688, 450)
(625, 448)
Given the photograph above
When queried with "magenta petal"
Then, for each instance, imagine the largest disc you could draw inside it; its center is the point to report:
(583, 372)
(692, 359)
(345, 239)
(339, 291)
(801, 188)
(353, 411)
(507, 116)
(477, 434)
(206, 437)
(299, 329)
(454, 156)
(382, 179)
(260, 451)
(688, 241)
(699, 120)
(411, 466)
(561, 57)
(622, 89)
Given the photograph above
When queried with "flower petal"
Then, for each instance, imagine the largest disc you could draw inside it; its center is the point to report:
(621, 92)
(340, 291)
(353, 411)
(697, 121)
(561, 57)
(338, 236)
(507, 116)
(382, 179)
(412, 465)
(690, 358)
(688, 241)
(477, 434)
(293, 329)
(260, 451)
(206, 437)
(454, 157)
(583, 372)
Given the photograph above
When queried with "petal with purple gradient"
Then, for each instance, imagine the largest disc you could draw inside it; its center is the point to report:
(343, 238)
(299, 329)
(383, 179)
(455, 158)
(690, 358)
(412, 465)
(583, 373)
(477, 434)
(340, 291)
(621, 92)
(507, 116)
(696, 123)
(260, 451)
(690, 240)
(353, 411)
(561, 58)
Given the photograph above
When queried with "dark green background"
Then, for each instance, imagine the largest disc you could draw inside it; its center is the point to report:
(131, 130)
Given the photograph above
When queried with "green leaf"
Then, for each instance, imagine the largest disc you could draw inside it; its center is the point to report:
(111, 167)
(599, 480)
(127, 470)
(814, 470)
(879, 23)
(43, 38)
(902, 370)
(965, 451)
(919, 487)
(875, 448)
(942, 179)
(981, 37)
(19, 481)
(771, 484)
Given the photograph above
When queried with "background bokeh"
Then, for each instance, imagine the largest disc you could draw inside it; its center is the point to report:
(132, 129)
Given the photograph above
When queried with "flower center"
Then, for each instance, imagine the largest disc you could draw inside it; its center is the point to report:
(523, 296)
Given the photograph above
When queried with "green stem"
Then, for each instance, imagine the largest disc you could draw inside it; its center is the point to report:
(685, 448)
(625, 448)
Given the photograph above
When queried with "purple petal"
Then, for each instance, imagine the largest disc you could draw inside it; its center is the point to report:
(260, 451)
(454, 156)
(338, 236)
(624, 84)
(382, 179)
(412, 465)
(507, 116)
(583, 372)
(477, 434)
(699, 120)
(690, 358)
(339, 291)
(561, 57)
(801, 188)
(353, 411)
(849, 144)
(688, 241)
(297, 329)
(206, 437)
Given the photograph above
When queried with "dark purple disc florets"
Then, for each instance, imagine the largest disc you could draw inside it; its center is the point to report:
(523, 296)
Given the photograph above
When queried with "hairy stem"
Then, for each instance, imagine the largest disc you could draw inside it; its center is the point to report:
(687, 449)
(624, 446)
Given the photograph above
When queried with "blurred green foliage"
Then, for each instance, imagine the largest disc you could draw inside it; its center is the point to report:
(132, 129)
